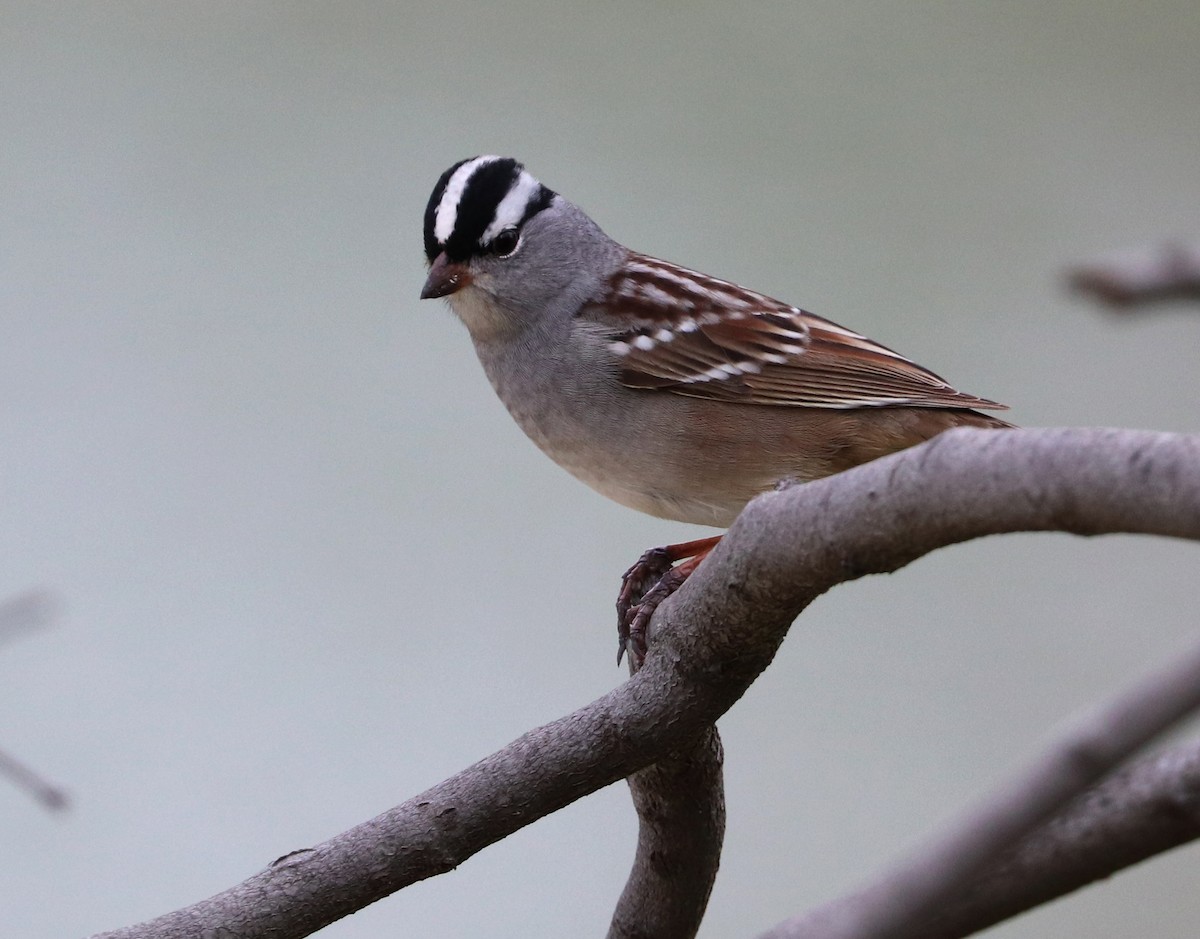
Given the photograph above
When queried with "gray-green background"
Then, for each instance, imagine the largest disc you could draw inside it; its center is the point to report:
(308, 566)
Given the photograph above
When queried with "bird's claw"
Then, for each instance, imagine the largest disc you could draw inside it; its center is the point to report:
(643, 587)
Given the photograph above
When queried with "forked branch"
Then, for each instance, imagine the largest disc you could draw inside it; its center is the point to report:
(713, 638)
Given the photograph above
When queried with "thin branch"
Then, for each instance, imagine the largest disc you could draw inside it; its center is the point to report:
(29, 779)
(680, 802)
(1143, 810)
(1140, 278)
(900, 903)
(26, 611)
(22, 613)
(716, 635)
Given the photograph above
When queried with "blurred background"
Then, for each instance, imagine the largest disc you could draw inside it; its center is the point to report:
(306, 564)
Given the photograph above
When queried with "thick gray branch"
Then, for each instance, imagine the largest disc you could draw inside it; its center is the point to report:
(680, 803)
(714, 637)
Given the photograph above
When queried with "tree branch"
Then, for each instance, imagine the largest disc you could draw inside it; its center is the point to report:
(900, 904)
(26, 777)
(25, 611)
(716, 635)
(18, 614)
(680, 803)
(1139, 278)
(1143, 810)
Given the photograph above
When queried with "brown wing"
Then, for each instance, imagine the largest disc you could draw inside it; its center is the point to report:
(696, 335)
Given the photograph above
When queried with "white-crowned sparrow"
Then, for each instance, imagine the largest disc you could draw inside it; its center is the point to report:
(668, 390)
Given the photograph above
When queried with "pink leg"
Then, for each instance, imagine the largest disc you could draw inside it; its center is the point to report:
(650, 581)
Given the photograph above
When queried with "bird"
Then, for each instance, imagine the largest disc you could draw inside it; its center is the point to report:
(671, 391)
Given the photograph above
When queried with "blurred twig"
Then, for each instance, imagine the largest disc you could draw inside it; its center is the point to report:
(1139, 278)
(900, 904)
(1141, 811)
(28, 779)
(24, 612)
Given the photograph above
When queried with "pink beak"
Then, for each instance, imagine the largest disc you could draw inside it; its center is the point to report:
(445, 277)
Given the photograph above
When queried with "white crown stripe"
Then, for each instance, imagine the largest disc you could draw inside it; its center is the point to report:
(447, 210)
(512, 207)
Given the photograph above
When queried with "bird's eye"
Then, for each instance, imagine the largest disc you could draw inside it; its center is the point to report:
(505, 243)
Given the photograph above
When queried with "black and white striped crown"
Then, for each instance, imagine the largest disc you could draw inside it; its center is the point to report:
(475, 200)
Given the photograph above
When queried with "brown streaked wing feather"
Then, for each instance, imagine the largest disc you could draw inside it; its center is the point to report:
(733, 344)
